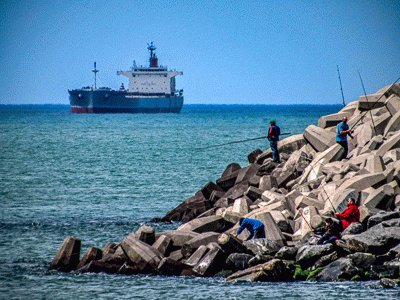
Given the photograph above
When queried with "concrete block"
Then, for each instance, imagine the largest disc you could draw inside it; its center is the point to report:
(381, 198)
(240, 206)
(319, 138)
(333, 119)
(203, 239)
(271, 197)
(231, 169)
(391, 143)
(163, 244)
(268, 182)
(179, 237)
(393, 104)
(92, 253)
(373, 144)
(67, 257)
(339, 198)
(145, 234)
(246, 173)
(381, 122)
(286, 145)
(142, 255)
(209, 188)
(272, 231)
(307, 215)
(200, 225)
(195, 258)
(253, 193)
(304, 201)
(375, 164)
(372, 100)
(393, 125)
(252, 157)
(363, 134)
(211, 263)
(231, 217)
(169, 266)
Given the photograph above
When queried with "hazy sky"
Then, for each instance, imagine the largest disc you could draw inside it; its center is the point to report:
(250, 52)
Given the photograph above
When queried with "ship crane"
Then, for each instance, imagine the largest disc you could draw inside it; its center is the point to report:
(95, 71)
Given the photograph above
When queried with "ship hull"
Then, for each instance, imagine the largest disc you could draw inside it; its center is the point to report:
(108, 101)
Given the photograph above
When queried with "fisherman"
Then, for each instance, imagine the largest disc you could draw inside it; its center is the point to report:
(350, 215)
(333, 232)
(273, 137)
(255, 227)
(341, 136)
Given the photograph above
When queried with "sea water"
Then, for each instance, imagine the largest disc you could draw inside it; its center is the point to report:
(99, 177)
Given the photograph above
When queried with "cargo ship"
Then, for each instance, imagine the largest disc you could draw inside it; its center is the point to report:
(150, 89)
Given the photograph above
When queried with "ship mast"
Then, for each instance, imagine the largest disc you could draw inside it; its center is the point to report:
(95, 71)
(153, 58)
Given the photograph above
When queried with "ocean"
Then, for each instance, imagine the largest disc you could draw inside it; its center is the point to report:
(99, 177)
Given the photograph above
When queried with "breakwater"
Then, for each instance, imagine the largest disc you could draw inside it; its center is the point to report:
(279, 195)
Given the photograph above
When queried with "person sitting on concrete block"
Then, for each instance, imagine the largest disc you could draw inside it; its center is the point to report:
(255, 227)
(350, 215)
(273, 137)
(341, 136)
(333, 232)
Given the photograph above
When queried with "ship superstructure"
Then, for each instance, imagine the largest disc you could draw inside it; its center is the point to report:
(151, 89)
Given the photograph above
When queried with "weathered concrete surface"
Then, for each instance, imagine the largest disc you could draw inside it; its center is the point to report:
(92, 253)
(391, 143)
(163, 244)
(374, 164)
(213, 223)
(179, 237)
(381, 198)
(109, 248)
(67, 257)
(341, 269)
(393, 104)
(141, 254)
(394, 124)
(203, 239)
(146, 234)
(333, 119)
(372, 100)
(319, 138)
(196, 256)
(287, 145)
(211, 263)
(168, 266)
(273, 270)
(272, 231)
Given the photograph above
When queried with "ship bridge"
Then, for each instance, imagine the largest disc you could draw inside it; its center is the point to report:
(154, 79)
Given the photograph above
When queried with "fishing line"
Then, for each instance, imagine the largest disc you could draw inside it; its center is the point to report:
(366, 97)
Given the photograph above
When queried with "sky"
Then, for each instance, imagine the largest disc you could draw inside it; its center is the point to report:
(230, 52)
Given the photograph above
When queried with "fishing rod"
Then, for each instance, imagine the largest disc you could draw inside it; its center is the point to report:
(308, 224)
(237, 142)
(373, 105)
(366, 97)
(341, 88)
(316, 174)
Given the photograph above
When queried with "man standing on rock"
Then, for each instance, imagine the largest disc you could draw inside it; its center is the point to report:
(350, 215)
(255, 227)
(341, 136)
(273, 137)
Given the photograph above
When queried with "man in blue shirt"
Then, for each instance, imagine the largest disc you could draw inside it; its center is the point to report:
(341, 136)
(255, 227)
(273, 137)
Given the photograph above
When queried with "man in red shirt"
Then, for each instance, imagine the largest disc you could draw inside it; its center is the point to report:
(350, 215)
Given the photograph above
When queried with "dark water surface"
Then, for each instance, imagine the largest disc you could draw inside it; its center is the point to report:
(98, 177)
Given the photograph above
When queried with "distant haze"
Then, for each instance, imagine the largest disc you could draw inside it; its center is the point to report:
(249, 52)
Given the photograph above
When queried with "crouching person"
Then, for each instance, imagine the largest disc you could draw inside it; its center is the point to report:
(333, 232)
(255, 227)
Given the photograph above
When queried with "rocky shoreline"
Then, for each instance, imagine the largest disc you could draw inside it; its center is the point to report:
(289, 198)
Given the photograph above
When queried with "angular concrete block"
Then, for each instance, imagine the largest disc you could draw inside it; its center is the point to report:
(203, 239)
(163, 244)
(179, 237)
(268, 182)
(372, 100)
(146, 234)
(393, 125)
(271, 197)
(252, 157)
(213, 223)
(209, 188)
(211, 263)
(287, 145)
(393, 104)
(272, 231)
(363, 134)
(67, 257)
(319, 138)
(92, 253)
(375, 164)
(253, 193)
(391, 143)
(246, 173)
(381, 198)
(142, 255)
(333, 119)
(240, 206)
(196, 256)
(381, 122)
